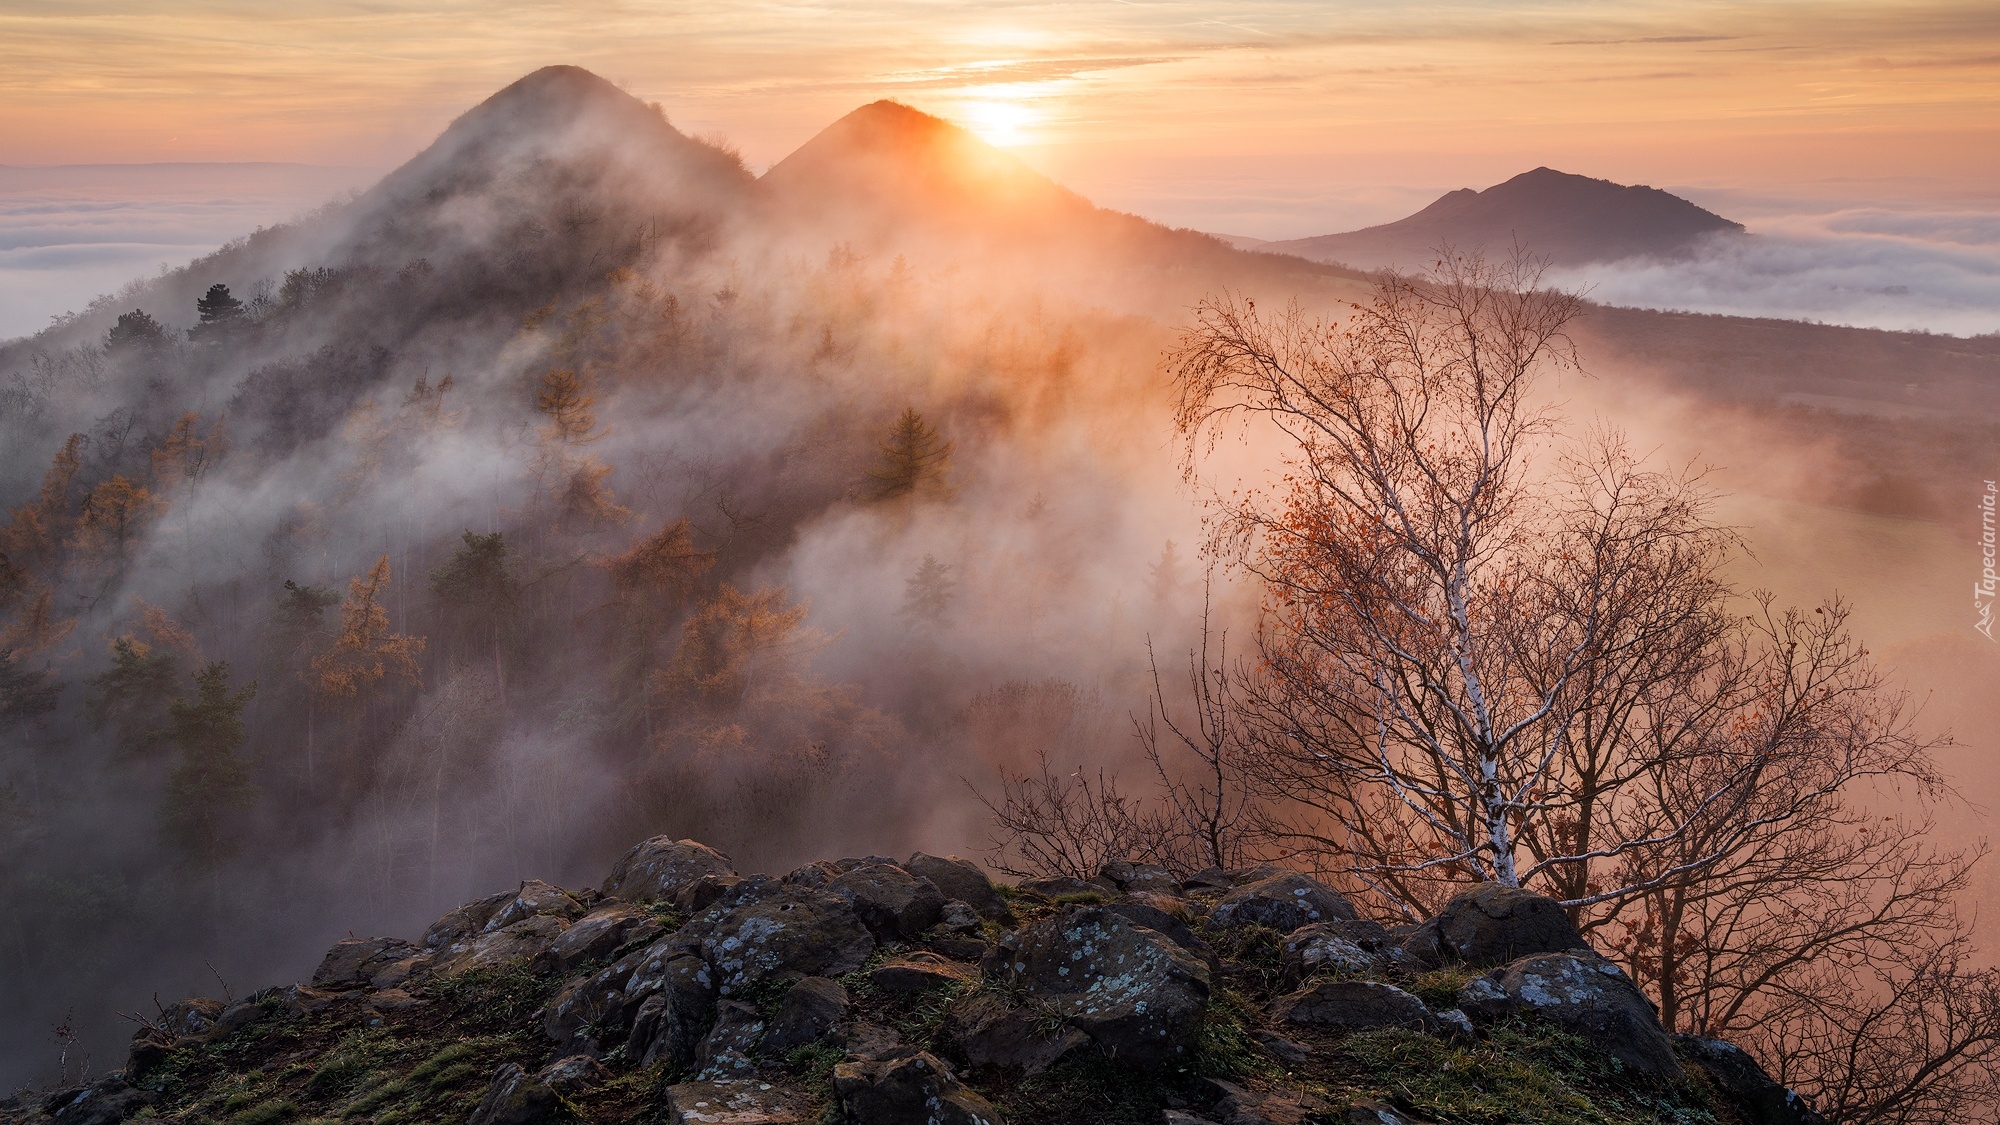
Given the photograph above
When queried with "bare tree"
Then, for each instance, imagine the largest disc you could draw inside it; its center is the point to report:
(1209, 816)
(1489, 653)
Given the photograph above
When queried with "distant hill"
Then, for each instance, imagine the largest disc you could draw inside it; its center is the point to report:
(1569, 219)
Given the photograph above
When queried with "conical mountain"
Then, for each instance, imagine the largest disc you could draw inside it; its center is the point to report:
(888, 164)
(1569, 219)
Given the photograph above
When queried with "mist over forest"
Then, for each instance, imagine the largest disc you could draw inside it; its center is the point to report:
(573, 486)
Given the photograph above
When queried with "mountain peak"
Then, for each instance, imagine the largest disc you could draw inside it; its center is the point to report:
(1569, 219)
(887, 158)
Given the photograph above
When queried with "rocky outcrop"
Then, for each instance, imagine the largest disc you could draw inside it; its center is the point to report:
(1492, 925)
(1283, 901)
(661, 868)
(1133, 990)
(889, 992)
(1585, 995)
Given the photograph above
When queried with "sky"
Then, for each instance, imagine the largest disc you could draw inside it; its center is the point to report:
(1254, 117)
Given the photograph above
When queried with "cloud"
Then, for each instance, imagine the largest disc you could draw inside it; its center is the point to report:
(1936, 271)
(71, 233)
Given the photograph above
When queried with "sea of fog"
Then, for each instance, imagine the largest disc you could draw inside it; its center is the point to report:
(71, 233)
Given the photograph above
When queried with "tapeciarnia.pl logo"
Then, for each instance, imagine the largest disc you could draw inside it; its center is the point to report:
(1984, 590)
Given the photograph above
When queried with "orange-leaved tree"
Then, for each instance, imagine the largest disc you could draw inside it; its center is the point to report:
(364, 652)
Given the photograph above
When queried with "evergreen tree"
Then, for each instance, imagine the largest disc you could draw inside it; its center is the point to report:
(1169, 574)
(927, 594)
(25, 694)
(136, 331)
(915, 459)
(134, 697)
(219, 312)
(217, 306)
(478, 582)
(210, 786)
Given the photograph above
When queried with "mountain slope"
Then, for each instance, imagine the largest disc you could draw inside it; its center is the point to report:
(1570, 219)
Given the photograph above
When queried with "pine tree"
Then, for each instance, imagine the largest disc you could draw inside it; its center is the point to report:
(1169, 574)
(915, 459)
(927, 594)
(478, 581)
(135, 695)
(209, 788)
(24, 694)
(217, 307)
(136, 331)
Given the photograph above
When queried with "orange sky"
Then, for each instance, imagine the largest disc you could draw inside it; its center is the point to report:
(1123, 99)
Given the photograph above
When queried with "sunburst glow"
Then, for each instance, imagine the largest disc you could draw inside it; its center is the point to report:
(1001, 123)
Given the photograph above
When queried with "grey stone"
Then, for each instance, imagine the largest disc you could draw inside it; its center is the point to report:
(657, 869)
(959, 918)
(1737, 1075)
(913, 973)
(1456, 1022)
(466, 920)
(763, 928)
(735, 1102)
(356, 960)
(535, 899)
(1135, 991)
(891, 902)
(1492, 925)
(729, 1048)
(917, 1089)
(703, 892)
(1354, 1005)
(1259, 1105)
(108, 1100)
(1064, 886)
(960, 879)
(525, 940)
(996, 1036)
(1132, 878)
(515, 1097)
(1284, 902)
(1585, 995)
(1378, 1113)
(1281, 1048)
(599, 934)
(808, 1010)
(1334, 947)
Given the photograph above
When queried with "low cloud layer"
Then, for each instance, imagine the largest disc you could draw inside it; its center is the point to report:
(1934, 270)
(69, 234)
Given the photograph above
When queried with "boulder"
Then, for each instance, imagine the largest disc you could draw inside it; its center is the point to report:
(1492, 925)
(1153, 918)
(515, 1097)
(189, 1017)
(1736, 1074)
(1354, 1005)
(356, 960)
(960, 879)
(1135, 991)
(1208, 879)
(894, 904)
(728, 1049)
(1263, 1105)
(807, 1011)
(960, 918)
(671, 1023)
(1132, 878)
(108, 1100)
(1284, 902)
(906, 976)
(593, 1013)
(525, 940)
(736, 1102)
(1352, 948)
(1283, 1049)
(763, 928)
(703, 892)
(996, 1036)
(917, 1089)
(1065, 887)
(599, 934)
(657, 869)
(466, 920)
(535, 899)
(1585, 995)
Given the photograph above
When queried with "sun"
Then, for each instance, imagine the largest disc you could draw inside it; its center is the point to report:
(1003, 124)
